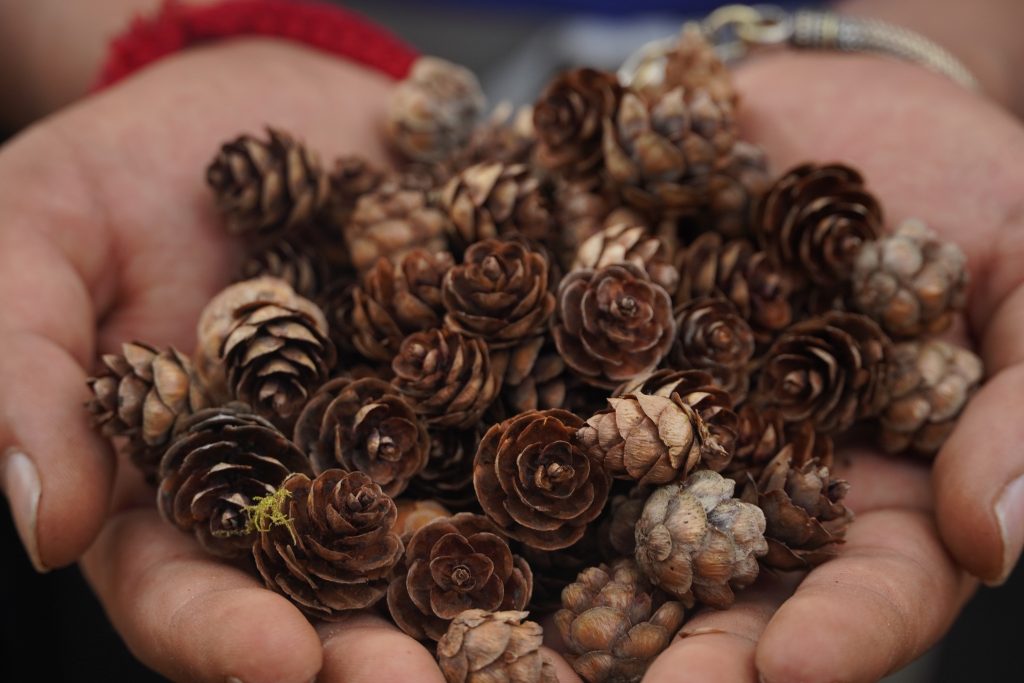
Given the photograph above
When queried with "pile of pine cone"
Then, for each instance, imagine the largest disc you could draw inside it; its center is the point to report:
(589, 357)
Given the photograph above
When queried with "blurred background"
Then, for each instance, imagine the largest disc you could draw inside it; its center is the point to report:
(514, 53)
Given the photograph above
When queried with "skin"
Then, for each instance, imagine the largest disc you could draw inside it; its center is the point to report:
(107, 234)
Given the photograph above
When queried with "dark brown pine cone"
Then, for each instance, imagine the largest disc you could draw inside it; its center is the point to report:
(536, 482)
(613, 623)
(448, 476)
(815, 219)
(712, 336)
(446, 377)
(803, 509)
(932, 381)
(553, 570)
(393, 301)
(735, 189)
(625, 243)
(267, 186)
(329, 545)
(613, 324)
(489, 647)
(568, 119)
(499, 293)
(220, 462)
(305, 271)
(763, 434)
(364, 425)
(832, 370)
(452, 565)
(143, 394)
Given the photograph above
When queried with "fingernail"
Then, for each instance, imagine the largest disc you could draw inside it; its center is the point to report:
(1010, 513)
(20, 482)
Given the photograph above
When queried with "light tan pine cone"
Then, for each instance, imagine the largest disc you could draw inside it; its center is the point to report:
(490, 647)
(626, 243)
(306, 271)
(932, 381)
(712, 336)
(911, 282)
(613, 623)
(695, 541)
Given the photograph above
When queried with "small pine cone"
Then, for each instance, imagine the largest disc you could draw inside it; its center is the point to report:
(614, 624)
(336, 304)
(553, 570)
(393, 300)
(433, 111)
(446, 377)
(413, 515)
(452, 565)
(625, 243)
(391, 221)
(613, 324)
(536, 481)
(618, 530)
(144, 394)
(803, 509)
(693, 65)
(352, 177)
(507, 136)
(662, 154)
(448, 476)
(931, 383)
(695, 540)
(265, 187)
(305, 272)
(912, 282)
(336, 548)
(489, 647)
(832, 370)
(651, 439)
(534, 376)
(568, 119)
(763, 434)
(815, 219)
(363, 425)
(220, 461)
(735, 189)
(581, 208)
(712, 336)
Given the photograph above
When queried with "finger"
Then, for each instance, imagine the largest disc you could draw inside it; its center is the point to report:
(192, 617)
(886, 599)
(367, 649)
(562, 668)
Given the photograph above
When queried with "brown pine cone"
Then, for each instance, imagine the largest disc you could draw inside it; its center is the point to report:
(932, 381)
(433, 111)
(625, 243)
(506, 136)
(220, 462)
(393, 300)
(613, 324)
(735, 189)
(662, 154)
(815, 219)
(352, 177)
(267, 186)
(413, 515)
(534, 376)
(452, 565)
(568, 119)
(490, 647)
(305, 271)
(712, 336)
(144, 394)
(614, 624)
(763, 434)
(651, 439)
(693, 65)
(363, 425)
(911, 282)
(336, 304)
(580, 211)
(533, 478)
(448, 476)
(832, 370)
(618, 528)
(446, 377)
(695, 540)
(334, 549)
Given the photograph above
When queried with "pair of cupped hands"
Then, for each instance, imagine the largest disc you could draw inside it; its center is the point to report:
(107, 234)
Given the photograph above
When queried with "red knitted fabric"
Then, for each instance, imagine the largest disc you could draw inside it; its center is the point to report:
(330, 29)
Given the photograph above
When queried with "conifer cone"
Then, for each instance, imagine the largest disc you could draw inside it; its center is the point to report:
(267, 186)
(580, 208)
(803, 508)
(832, 369)
(351, 178)
(506, 136)
(143, 394)
(762, 433)
(393, 300)
(534, 376)
(335, 303)
(220, 462)
(537, 482)
(448, 475)
(484, 647)
(661, 154)
(363, 425)
(433, 111)
(815, 219)
(446, 377)
(306, 272)
(712, 336)
(413, 515)
(613, 324)
(693, 64)
(932, 381)
(735, 189)
(618, 528)
(626, 243)
(335, 550)
(614, 624)
(568, 119)
(911, 282)
(694, 540)
(452, 565)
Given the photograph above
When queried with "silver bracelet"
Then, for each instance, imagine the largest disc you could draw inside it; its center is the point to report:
(736, 30)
